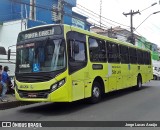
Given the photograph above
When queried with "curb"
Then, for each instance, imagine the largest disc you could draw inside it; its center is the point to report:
(13, 104)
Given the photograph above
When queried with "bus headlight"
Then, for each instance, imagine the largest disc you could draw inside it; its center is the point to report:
(58, 84)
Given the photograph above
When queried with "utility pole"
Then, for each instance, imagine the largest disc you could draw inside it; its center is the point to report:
(100, 13)
(60, 11)
(132, 13)
(32, 10)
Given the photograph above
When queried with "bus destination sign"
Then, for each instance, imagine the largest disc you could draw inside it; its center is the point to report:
(39, 34)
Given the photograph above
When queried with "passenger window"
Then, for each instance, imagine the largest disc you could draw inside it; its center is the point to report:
(113, 52)
(77, 51)
(133, 55)
(124, 54)
(97, 50)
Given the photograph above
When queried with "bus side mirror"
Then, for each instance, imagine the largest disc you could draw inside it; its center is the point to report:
(9, 54)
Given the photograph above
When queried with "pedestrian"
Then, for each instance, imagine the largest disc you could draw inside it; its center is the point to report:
(0, 72)
(4, 81)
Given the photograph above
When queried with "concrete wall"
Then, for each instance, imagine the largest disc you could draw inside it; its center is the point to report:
(9, 32)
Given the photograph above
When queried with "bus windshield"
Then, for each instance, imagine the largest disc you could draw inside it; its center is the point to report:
(41, 56)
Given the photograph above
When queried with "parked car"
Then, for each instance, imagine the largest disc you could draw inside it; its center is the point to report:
(156, 73)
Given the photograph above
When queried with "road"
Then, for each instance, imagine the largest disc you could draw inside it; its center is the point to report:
(124, 105)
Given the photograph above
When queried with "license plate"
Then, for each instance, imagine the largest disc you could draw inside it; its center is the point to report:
(32, 95)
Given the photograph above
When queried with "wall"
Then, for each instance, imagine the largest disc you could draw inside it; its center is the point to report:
(9, 32)
(10, 10)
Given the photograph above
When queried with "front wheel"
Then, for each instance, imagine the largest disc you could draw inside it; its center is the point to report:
(139, 83)
(96, 93)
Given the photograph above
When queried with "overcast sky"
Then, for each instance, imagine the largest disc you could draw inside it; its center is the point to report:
(113, 9)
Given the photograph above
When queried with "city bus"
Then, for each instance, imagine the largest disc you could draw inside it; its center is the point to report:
(62, 63)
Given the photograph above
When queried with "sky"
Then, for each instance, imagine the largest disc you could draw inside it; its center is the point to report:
(113, 10)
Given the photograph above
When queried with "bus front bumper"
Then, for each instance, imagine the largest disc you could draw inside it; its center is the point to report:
(59, 95)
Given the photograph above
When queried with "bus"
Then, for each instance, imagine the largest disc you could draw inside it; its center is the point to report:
(62, 63)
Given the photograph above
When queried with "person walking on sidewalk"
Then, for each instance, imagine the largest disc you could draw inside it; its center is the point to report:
(0, 72)
(4, 81)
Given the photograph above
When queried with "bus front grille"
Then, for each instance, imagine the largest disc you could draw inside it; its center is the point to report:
(33, 94)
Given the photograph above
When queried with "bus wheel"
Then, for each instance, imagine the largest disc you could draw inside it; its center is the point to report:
(139, 83)
(96, 93)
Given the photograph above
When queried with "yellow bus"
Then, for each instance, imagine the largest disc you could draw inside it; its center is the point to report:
(61, 63)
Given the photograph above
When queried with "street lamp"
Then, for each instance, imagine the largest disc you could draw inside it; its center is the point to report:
(132, 13)
(148, 7)
(146, 19)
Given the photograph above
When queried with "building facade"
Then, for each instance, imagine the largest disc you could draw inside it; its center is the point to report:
(19, 15)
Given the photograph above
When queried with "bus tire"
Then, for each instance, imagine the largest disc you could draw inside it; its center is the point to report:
(139, 83)
(96, 93)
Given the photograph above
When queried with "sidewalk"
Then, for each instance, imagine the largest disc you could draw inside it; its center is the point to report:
(12, 102)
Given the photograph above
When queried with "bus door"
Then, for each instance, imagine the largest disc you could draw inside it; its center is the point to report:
(125, 66)
(78, 70)
(114, 65)
(133, 67)
(120, 76)
(113, 77)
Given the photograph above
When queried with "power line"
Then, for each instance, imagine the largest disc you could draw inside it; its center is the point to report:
(99, 15)
(91, 16)
(56, 10)
(100, 12)
(102, 16)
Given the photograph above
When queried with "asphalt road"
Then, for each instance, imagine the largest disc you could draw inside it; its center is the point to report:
(124, 105)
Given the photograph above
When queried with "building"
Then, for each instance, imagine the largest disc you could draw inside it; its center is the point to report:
(18, 15)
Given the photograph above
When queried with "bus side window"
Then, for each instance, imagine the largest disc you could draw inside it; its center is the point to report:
(77, 55)
(149, 59)
(97, 49)
(113, 52)
(140, 57)
(133, 55)
(124, 54)
(77, 51)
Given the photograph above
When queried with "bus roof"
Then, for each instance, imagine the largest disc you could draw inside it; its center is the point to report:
(105, 37)
(73, 28)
